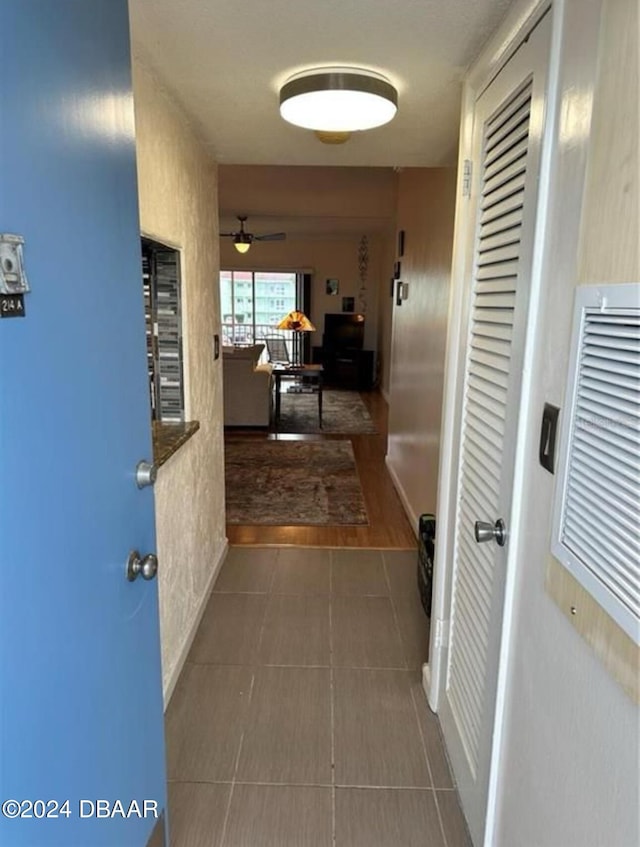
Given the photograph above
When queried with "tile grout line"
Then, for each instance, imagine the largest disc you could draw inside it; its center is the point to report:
(413, 700)
(395, 614)
(302, 667)
(354, 785)
(251, 688)
(332, 698)
(235, 768)
(426, 756)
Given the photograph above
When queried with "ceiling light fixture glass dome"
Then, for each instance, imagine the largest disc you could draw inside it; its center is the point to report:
(338, 99)
(242, 243)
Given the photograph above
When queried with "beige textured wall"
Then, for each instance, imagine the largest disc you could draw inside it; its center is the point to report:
(178, 206)
(426, 201)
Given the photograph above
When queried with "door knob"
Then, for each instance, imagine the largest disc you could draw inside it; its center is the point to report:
(145, 566)
(485, 531)
(146, 473)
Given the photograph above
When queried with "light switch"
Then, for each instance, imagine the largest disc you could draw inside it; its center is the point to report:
(548, 434)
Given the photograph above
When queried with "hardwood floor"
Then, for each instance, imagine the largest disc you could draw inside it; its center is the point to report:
(388, 524)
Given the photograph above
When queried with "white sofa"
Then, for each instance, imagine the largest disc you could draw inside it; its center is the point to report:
(247, 387)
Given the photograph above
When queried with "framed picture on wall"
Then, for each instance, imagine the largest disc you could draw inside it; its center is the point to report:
(332, 286)
(348, 304)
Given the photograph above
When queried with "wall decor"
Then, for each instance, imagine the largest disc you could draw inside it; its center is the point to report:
(363, 268)
(332, 286)
(400, 243)
(348, 304)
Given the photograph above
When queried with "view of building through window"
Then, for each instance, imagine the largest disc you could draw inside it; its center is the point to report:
(253, 303)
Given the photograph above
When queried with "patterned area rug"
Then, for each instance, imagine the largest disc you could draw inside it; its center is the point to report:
(342, 412)
(282, 483)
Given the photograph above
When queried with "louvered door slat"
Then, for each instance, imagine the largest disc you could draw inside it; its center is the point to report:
(514, 129)
(514, 153)
(500, 333)
(497, 270)
(495, 346)
(629, 381)
(491, 411)
(482, 487)
(504, 251)
(493, 390)
(497, 379)
(607, 389)
(600, 514)
(581, 531)
(505, 175)
(497, 316)
(616, 499)
(496, 124)
(484, 463)
(504, 224)
(598, 403)
(514, 185)
(495, 285)
(482, 437)
(510, 204)
(491, 360)
(505, 237)
(621, 448)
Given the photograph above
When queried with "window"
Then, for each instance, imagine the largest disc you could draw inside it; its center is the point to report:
(161, 282)
(596, 533)
(254, 302)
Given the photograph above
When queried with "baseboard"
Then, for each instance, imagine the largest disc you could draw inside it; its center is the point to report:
(426, 683)
(184, 652)
(413, 518)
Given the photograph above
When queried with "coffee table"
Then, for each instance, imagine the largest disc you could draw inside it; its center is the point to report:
(304, 373)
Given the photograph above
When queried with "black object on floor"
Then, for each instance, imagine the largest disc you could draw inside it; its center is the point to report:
(426, 551)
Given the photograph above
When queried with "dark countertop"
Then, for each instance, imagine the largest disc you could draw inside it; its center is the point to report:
(169, 437)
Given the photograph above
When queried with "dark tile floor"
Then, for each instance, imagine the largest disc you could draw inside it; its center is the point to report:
(299, 719)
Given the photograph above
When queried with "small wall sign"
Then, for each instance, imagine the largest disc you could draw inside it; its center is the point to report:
(12, 306)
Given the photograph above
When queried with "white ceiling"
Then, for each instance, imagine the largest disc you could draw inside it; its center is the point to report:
(225, 62)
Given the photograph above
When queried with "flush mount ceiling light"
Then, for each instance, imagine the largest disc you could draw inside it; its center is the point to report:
(338, 100)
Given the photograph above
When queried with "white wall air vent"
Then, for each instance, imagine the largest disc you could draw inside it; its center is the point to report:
(596, 533)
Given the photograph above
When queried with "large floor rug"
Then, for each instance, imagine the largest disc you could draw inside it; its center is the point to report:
(282, 483)
(342, 412)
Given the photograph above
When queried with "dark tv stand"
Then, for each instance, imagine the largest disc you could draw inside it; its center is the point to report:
(346, 368)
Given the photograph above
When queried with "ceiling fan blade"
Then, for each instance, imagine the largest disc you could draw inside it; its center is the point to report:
(271, 236)
(227, 234)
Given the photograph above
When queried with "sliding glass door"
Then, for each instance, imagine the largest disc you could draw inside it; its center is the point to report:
(253, 303)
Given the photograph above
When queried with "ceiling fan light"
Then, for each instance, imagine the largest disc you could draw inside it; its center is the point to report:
(338, 100)
(241, 244)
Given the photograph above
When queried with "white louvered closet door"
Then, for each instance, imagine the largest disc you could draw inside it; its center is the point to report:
(507, 133)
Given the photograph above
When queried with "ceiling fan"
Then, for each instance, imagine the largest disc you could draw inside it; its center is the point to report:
(243, 240)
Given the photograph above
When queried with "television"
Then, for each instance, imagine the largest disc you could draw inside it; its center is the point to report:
(343, 331)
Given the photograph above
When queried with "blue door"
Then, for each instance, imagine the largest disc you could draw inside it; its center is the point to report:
(80, 683)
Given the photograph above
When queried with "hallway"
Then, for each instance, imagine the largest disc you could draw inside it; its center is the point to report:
(299, 719)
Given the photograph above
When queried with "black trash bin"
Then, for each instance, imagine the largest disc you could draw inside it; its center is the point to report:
(426, 551)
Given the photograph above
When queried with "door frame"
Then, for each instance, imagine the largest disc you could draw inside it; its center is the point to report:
(518, 24)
